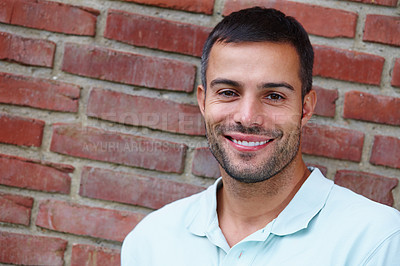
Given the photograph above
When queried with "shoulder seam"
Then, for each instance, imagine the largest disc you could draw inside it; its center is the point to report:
(375, 250)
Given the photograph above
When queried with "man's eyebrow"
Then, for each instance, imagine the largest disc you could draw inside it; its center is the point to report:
(225, 82)
(276, 85)
(237, 84)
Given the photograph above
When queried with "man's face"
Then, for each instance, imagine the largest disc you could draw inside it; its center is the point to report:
(253, 108)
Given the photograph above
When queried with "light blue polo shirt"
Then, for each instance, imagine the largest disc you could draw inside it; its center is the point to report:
(324, 224)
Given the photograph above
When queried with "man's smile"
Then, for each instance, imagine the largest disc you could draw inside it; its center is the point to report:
(249, 144)
(244, 142)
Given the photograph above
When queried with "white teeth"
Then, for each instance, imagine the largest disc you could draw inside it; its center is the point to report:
(249, 143)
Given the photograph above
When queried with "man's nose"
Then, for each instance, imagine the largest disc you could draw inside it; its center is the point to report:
(249, 112)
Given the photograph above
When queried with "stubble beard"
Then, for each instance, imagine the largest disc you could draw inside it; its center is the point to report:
(283, 153)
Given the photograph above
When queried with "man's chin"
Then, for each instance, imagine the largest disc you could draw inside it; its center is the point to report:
(248, 179)
(248, 161)
(247, 174)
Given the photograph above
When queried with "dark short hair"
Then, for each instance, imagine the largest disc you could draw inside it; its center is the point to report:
(259, 24)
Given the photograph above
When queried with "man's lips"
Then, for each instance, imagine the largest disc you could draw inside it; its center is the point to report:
(250, 141)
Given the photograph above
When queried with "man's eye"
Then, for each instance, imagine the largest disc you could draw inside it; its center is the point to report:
(227, 93)
(274, 97)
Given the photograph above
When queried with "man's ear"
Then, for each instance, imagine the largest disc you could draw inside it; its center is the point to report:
(310, 100)
(201, 98)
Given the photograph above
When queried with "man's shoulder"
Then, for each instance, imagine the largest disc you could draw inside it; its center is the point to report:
(371, 229)
(356, 209)
(168, 220)
(159, 230)
(172, 214)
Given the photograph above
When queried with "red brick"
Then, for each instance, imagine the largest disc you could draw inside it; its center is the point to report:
(35, 175)
(378, 2)
(375, 187)
(20, 130)
(108, 146)
(33, 52)
(31, 250)
(132, 188)
(204, 163)
(85, 220)
(133, 69)
(373, 108)
(38, 93)
(6, 10)
(203, 6)
(347, 65)
(382, 29)
(396, 74)
(92, 256)
(386, 151)
(332, 142)
(51, 16)
(145, 111)
(317, 20)
(15, 209)
(326, 102)
(156, 33)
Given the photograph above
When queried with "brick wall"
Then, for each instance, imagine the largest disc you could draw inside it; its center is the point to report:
(99, 124)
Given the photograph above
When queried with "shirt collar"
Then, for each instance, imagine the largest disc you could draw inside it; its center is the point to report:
(307, 202)
(203, 214)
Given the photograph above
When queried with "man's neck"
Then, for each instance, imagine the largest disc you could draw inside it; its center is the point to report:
(245, 208)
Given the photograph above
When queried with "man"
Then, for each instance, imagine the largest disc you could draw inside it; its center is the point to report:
(268, 208)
